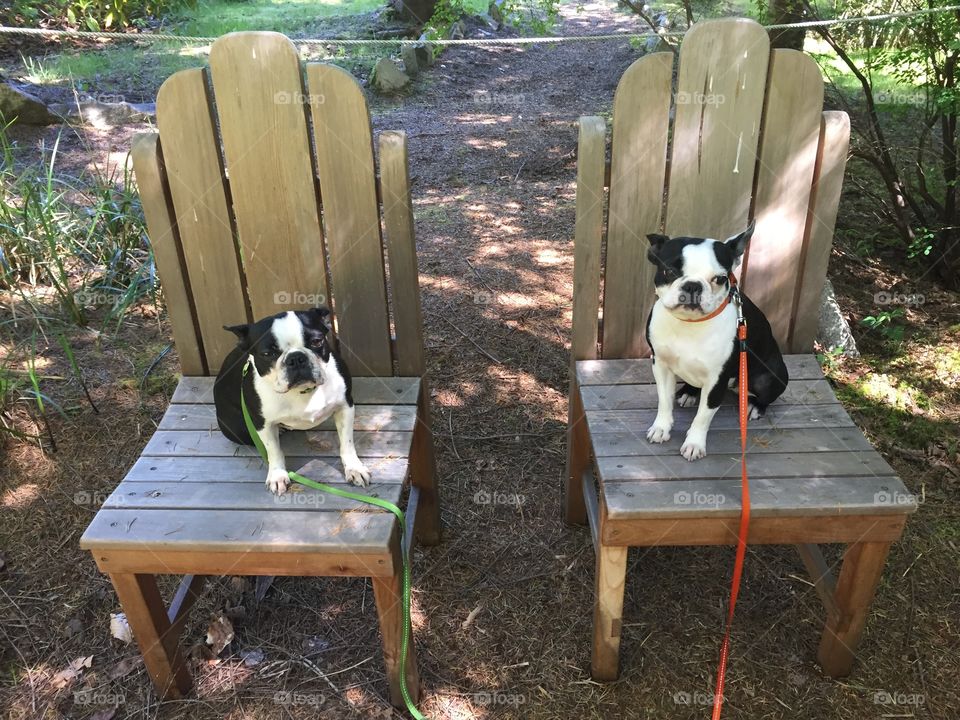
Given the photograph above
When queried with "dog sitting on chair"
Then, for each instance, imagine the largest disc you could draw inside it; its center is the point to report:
(295, 380)
(692, 333)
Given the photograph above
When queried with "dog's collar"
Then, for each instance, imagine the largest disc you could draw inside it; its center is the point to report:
(723, 305)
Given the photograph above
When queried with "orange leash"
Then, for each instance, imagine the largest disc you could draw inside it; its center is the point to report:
(744, 513)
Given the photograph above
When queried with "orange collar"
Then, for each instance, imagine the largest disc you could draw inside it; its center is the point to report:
(721, 308)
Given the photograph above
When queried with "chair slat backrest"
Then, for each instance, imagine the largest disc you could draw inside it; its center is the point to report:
(263, 197)
(748, 138)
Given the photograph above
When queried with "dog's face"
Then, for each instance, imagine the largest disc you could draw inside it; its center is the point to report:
(693, 274)
(290, 349)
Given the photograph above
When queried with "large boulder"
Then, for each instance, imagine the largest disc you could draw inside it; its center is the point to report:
(833, 332)
(411, 64)
(387, 77)
(22, 107)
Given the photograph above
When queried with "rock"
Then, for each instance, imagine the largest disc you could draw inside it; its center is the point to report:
(103, 114)
(834, 332)
(424, 52)
(387, 77)
(22, 107)
(411, 65)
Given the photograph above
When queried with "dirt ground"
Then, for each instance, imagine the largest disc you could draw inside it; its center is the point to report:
(492, 141)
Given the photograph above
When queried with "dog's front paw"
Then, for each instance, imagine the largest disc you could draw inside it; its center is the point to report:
(753, 412)
(357, 474)
(693, 449)
(278, 481)
(658, 432)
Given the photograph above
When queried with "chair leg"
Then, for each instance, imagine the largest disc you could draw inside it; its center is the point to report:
(423, 472)
(388, 593)
(859, 576)
(611, 577)
(578, 457)
(159, 642)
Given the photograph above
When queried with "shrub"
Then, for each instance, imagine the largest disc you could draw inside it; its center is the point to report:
(87, 14)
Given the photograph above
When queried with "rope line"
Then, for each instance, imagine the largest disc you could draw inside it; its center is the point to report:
(92, 35)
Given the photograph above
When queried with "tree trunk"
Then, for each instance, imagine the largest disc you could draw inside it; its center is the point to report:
(786, 11)
(416, 12)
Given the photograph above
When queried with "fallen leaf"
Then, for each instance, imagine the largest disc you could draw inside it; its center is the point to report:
(471, 617)
(125, 667)
(219, 634)
(71, 671)
(120, 628)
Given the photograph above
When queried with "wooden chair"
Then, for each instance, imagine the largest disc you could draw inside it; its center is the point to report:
(261, 195)
(742, 135)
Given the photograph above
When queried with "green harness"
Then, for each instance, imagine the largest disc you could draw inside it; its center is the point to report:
(404, 551)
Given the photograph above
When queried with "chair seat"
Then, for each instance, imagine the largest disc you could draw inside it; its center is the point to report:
(806, 457)
(192, 490)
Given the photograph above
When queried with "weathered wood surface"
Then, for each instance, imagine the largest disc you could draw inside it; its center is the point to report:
(805, 456)
(238, 531)
(631, 372)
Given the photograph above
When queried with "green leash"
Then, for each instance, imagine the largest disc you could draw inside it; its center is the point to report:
(404, 551)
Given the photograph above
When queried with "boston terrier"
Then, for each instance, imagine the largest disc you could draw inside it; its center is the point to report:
(692, 333)
(295, 381)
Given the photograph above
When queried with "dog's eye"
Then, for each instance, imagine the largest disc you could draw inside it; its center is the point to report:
(270, 351)
(316, 343)
(720, 279)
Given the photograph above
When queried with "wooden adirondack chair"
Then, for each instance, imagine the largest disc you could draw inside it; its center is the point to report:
(261, 195)
(743, 135)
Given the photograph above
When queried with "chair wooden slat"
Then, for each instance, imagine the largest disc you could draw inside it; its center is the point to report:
(720, 90)
(828, 183)
(402, 253)
(641, 116)
(197, 186)
(243, 496)
(778, 417)
(769, 497)
(627, 372)
(252, 469)
(258, 88)
(788, 153)
(167, 252)
(344, 147)
(309, 443)
(810, 440)
(727, 466)
(637, 397)
(591, 168)
(238, 531)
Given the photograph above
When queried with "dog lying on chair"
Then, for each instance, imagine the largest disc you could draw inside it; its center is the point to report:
(294, 381)
(692, 333)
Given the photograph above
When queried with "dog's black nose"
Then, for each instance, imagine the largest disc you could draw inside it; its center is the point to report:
(295, 360)
(690, 293)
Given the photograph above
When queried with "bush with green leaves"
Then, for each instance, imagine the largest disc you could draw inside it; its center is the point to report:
(87, 14)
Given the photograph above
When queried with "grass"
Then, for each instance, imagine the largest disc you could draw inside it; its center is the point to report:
(216, 17)
(145, 65)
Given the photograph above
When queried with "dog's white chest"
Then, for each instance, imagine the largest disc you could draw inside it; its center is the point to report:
(299, 410)
(695, 352)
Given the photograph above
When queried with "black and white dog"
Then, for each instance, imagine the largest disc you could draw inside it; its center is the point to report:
(692, 332)
(295, 381)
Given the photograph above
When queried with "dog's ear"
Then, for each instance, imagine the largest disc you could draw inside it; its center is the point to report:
(241, 331)
(321, 316)
(656, 244)
(738, 243)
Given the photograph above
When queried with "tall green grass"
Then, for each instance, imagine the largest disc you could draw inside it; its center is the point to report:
(78, 242)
